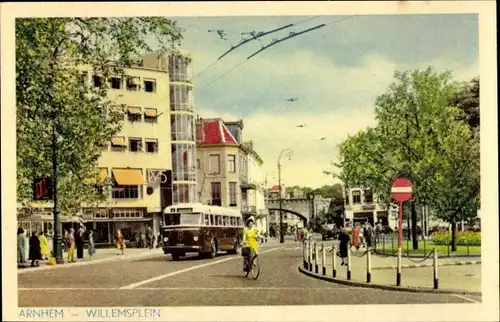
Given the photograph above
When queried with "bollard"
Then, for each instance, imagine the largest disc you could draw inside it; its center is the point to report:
(323, 260)
(398, 273)
(310, 256)
(316, 255)
(368, 267)
(435, 267)
(349, 264)
(304, 254)
(467, 244)
(334, 261)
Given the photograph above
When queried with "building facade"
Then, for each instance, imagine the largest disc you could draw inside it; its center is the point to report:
(150, 163)
(229, 170)
(362, 205)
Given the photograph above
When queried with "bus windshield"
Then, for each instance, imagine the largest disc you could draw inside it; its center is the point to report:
(176, 219)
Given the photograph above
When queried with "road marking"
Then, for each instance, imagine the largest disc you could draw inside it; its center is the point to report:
(184, 288)
(157, 278)
(465, 298)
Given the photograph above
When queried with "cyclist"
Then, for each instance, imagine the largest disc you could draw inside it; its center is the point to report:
(251, 237)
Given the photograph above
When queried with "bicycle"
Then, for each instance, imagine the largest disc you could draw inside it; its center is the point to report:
(250, 263)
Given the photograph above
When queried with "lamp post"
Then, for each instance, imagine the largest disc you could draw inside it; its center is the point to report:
(290, 154)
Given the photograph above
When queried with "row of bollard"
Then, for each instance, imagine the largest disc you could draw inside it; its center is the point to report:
(311, 254)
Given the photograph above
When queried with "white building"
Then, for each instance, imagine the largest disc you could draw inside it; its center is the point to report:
(150, 163)
(361, 205)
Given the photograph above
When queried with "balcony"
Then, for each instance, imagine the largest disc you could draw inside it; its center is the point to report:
(248, 210)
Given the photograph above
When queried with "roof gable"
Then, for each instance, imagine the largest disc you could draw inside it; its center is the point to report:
(214, 132)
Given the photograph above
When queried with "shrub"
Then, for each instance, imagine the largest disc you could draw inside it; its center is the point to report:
(463, 238)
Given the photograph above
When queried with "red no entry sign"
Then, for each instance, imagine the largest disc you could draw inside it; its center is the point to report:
(402, 189)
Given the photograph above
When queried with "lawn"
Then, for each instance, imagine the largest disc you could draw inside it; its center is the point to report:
(426, 247)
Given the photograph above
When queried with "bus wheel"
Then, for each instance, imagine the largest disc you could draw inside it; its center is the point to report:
(175, 257)
(236, 247)
(213, 248)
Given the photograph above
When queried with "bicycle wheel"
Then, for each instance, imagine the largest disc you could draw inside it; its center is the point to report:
(255, 267)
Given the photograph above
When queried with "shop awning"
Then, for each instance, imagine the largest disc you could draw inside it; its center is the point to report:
(118, 141)
(128, 177)
(134, 110)
(150, 113)
(103, 175)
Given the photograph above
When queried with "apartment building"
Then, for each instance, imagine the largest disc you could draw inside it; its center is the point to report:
(150, 163)
(229, 170)
(362, 205)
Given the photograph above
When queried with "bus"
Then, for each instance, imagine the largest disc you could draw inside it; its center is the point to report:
(202, 229)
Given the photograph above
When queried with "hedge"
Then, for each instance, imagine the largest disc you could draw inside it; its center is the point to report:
(463, 238)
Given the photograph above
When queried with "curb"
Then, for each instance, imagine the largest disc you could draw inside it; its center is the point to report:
(385, 287)
(430, 265)
(421, 256)
(87, 262)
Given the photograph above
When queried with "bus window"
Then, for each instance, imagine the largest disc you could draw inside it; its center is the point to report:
(231, 221)
(207, 220)
(218, 220)
(226, 220)
(212, 220)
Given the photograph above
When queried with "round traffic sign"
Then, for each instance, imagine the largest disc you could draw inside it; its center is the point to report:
(402, 189)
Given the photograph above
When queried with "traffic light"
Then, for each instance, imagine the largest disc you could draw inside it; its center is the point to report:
(42, 189)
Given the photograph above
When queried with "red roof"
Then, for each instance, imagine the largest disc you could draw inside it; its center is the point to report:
(213, 132)
(275, 188)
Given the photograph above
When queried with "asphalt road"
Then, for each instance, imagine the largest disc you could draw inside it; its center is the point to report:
(159, 281)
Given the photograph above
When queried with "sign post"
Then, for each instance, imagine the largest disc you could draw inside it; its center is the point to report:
(402, 190)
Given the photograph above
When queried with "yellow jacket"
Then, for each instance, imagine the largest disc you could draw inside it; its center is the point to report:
(250, 238)
(44, 246)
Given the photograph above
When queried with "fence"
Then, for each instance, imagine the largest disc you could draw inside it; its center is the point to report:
(315, 255)
(388, 245)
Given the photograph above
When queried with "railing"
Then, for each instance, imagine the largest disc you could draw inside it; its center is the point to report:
(248, 209)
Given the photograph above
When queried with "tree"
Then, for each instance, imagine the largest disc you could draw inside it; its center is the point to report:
(51, 54)
(334, 191)
(467, 100)
(413, 118)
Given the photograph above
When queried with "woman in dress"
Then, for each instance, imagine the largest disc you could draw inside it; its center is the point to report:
(120, 241)
(44, 245)
(21, 247)
(344, 245)
(71, 246)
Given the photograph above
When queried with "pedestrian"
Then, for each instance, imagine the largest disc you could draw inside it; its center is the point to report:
(369, 234)
(79, 243)
(150, 238)
(34, 251)
(44, 245)
(71, 245)
(343, 245)
(66, 240)
(355, 236)
(91, 244)
(21, 248)
(120, 241)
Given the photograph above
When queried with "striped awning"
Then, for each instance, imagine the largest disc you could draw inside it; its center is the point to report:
(134, 110)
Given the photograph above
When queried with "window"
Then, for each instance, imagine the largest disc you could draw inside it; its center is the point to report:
(232, 162)
(232, 221)
(98, 80)
(356, 197)
(125, 192)
(215, 193)
(150, 85)
(232, 194)
(225, 220)
(218, 220)
(214, 166)
(134, 114)
(118, 144)
(135, 144)
(115, 82)
(212, 220)
(368, 196)
(152, 145)
(207, 220)
(150, 115)
(133, 84)
(197, 163)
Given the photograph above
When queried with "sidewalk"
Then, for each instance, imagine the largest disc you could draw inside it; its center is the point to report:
(101, 255)
(453, 274)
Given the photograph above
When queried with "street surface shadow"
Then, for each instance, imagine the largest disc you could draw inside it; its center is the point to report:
(168, 258)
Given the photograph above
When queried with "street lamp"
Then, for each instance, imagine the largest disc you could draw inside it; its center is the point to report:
(290, 154)
(57, 247)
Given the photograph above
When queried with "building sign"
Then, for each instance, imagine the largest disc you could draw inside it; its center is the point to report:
(158, 176)
(42, 189)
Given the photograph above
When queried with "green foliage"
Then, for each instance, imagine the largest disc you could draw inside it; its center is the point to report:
(467, 100)
(50, 56)
(463, 238)
(421, 136)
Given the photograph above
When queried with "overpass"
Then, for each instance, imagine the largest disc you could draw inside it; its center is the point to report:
(300, 207)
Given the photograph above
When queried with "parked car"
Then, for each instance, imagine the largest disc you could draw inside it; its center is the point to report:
(329, 231)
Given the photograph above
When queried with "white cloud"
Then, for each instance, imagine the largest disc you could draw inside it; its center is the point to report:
(273, 127)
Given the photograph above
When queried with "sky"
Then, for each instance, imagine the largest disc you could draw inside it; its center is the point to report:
(335, 73)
